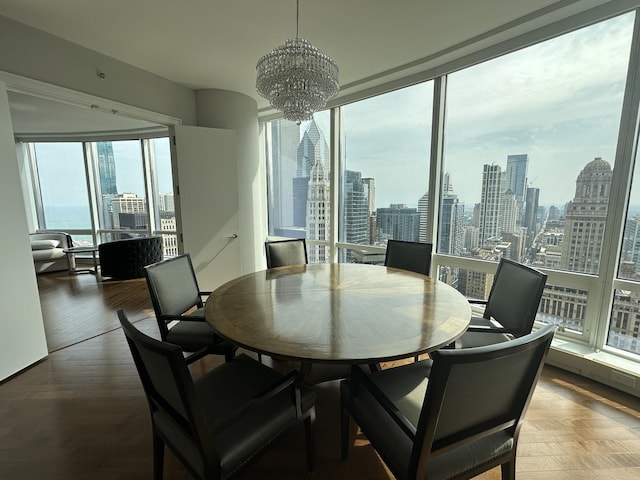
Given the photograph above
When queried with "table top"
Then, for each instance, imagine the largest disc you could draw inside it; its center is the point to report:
(338, 313)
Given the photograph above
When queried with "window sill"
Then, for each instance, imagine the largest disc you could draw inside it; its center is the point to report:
(604, 367)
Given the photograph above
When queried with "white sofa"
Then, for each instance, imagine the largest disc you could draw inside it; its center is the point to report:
(48, 251)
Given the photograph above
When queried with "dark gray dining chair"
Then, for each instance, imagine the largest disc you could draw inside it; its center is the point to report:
(281, 253)
(411, 256)
(454, 416)
(179, 308)
(219, 423)
(510, 311)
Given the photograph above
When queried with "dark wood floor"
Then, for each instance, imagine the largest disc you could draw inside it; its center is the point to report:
(81, 413)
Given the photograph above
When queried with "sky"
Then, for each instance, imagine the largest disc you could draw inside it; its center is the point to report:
(60, 166)
(559, 102)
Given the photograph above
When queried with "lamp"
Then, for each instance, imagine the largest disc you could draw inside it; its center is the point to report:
(297, 78)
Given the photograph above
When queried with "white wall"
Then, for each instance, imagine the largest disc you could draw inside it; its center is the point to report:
(34, 54)
(235, 111)
(22, 341)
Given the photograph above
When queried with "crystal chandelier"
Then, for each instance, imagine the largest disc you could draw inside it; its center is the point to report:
(297, 78)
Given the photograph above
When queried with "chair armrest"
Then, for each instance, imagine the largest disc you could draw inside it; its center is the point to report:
(181, 318)
(287, 381)
(487, 329)
(361, 379)
(476, 301)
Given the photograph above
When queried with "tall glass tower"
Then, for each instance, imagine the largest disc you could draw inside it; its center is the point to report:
(107, 168)
(516, 181)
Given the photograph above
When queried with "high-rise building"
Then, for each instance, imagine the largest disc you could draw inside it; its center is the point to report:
(423, 211)
(451, 229)
(490, 221)
(107, 168)
(516, 180)
(631, 247)
(311, 148)
(285, 137)
(318, 212)
(508, 212)
(398, 222)
(355, 219)
(370, 191)
(530, 220)
(128, 203)
(586, 217)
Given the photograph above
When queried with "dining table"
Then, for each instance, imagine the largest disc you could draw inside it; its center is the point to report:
(338, 313)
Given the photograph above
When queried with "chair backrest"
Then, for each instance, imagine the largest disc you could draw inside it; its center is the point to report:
(281, 253)
(515, 296)
(171, 394)
(412, 256)
(477, 392)
(173, 286)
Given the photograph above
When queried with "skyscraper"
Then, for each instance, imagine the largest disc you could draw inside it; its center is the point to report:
(398, 222)
(370, 191)
(107, 168)
(516, 180)
(490, 200)
(585, 218)
(530, 220)
(355, 219)
(451, 239)
(318, 212)
(312, 147)
(285, 137)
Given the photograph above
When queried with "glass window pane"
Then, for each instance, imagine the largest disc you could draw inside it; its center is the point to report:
(624, 327)
(530, 139)
(387, 141)
(158, 153)
(63, 186)
(120, 189)
(299, 182)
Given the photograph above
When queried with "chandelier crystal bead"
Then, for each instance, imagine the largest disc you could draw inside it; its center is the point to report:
(297, 79)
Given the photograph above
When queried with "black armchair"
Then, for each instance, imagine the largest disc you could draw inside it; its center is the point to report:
(179, 308)
(510, 311)
(281, 253)
(217, 424)
(412, 256)
(455, 416)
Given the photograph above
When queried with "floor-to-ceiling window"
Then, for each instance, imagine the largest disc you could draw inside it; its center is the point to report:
(530, 144)
(104, 190)
(529, 167)
(385, 171)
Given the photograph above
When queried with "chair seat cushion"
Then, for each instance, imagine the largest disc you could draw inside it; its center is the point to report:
(480, 339)
(406, 387)
(243, 379)
(194, 334)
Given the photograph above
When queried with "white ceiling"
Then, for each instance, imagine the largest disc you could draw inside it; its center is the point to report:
(216, 43)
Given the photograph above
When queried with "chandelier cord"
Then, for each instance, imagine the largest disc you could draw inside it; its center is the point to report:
(297, 16)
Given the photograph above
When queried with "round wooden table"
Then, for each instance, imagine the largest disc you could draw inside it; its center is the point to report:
(338, 313)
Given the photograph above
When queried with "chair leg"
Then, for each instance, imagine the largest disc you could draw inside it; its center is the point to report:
(509, 469)
(345, 423)
(230, 353)
(158, 457)
(310, 431)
